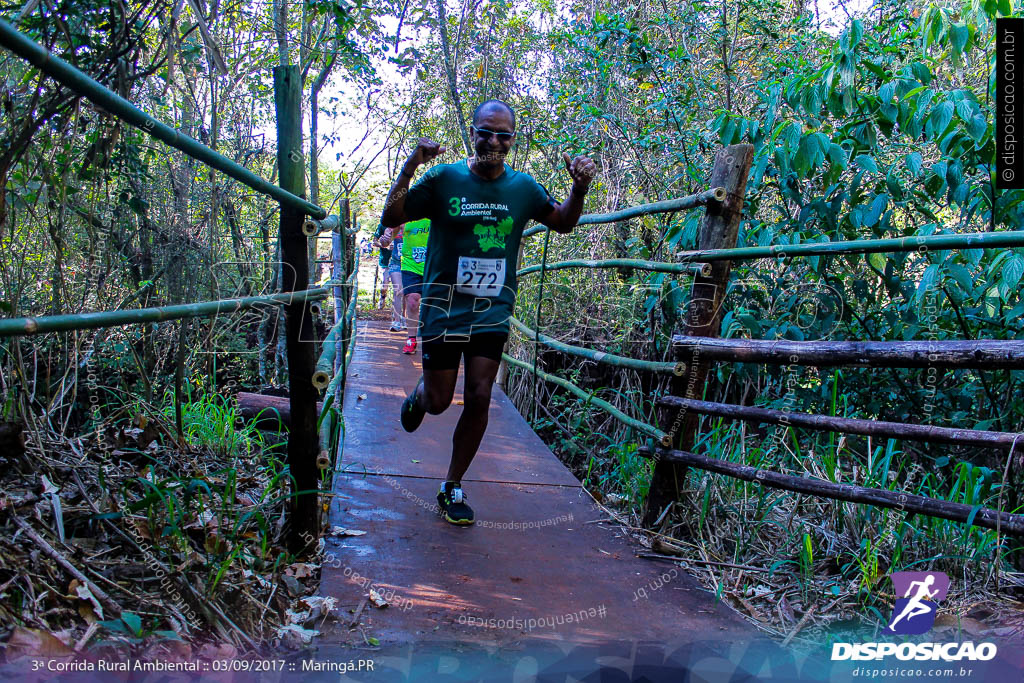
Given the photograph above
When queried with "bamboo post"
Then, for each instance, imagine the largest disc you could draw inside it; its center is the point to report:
(719, 230)
(345, 215)
(303, 439)
(349, 322)
(373, 292)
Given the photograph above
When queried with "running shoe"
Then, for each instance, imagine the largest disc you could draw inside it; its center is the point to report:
(452, 503)
(396, 327)
(410, 345)
(412, 414)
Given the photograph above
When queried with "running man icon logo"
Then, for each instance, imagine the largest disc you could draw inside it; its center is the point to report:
(914, 613)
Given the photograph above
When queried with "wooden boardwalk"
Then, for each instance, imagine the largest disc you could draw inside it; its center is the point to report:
(539, 563)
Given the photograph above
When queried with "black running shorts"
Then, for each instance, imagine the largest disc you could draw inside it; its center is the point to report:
(412, 283)
(445, 353)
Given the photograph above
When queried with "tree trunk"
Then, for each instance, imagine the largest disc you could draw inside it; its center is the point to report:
(269, 412)
(449, 68)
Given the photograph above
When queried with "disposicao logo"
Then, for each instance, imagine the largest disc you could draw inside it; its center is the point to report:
(914, 614)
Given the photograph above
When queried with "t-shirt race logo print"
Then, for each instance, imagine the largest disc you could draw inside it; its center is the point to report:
(493, 236)
(476, 225)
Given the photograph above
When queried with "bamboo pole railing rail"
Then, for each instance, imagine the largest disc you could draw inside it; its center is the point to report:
(85, 321)
(677, 369)
(848, 425)
(982, 240)
(312, 226)
(640, 264)
(79, 82)
(975, 240)
(851, 493)
(328, 420)
(986, 354)
(325, 363)
(349, 319)
(607, 407)
(351, 349)
(680, 204)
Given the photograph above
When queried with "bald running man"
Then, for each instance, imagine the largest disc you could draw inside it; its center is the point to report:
(478, 208)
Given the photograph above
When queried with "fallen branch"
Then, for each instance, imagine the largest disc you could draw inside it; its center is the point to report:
(673, 558)
(65, 564)
(799, 625)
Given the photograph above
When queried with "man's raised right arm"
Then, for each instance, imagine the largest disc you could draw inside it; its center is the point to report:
(394, 207)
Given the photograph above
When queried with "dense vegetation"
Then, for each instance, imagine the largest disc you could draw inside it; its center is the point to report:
(879, 125)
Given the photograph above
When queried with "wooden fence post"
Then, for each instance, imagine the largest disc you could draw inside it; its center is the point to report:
(703, 316)
(303, 440)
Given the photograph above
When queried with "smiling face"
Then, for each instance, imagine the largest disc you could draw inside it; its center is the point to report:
(491, 148)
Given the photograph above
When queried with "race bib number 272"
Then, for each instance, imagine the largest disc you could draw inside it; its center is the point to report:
(480, 276)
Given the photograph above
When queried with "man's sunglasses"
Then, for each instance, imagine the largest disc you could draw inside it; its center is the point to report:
(486, 134)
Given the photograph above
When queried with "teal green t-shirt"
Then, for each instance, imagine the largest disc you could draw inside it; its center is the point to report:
(469, 279)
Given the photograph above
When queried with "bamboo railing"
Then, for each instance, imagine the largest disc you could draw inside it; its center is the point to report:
(905, 502)
(1006, 238)
(987, 354)
(667, 206)
(10, 327)
(313, 227)
(848, 425)
(304, 508)
(700, 350)
(75, 80)
(589, 398)
(677, 369)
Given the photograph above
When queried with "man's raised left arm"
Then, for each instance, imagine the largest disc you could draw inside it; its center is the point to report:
(562, 218)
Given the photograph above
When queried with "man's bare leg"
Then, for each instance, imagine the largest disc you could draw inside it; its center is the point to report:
(437, 391)
(412, 313)
(480, 374)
